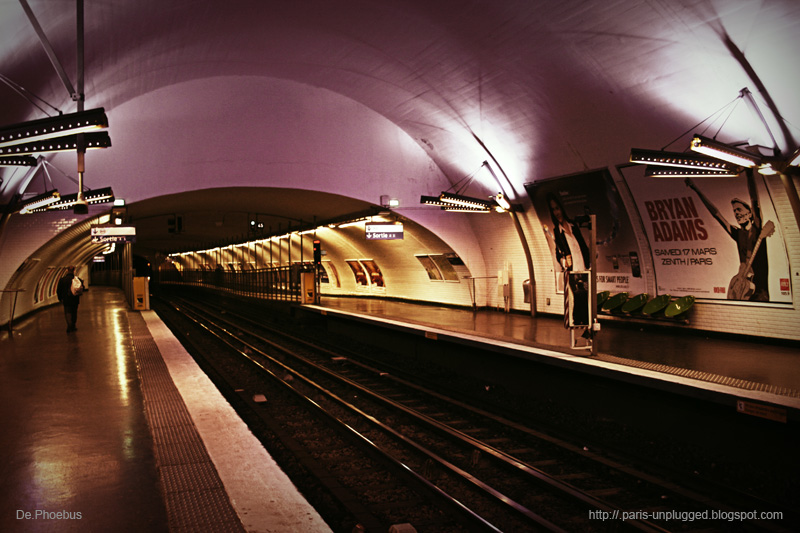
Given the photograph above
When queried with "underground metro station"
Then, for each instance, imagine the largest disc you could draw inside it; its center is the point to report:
(574, 203)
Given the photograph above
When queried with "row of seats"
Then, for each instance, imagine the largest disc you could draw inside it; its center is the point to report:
(641, 305)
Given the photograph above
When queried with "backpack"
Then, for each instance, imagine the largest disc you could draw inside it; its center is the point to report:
(76, 287)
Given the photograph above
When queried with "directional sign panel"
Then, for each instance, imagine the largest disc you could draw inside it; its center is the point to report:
(377, 232)
(107, 234)
(113, 230)
(113, 238)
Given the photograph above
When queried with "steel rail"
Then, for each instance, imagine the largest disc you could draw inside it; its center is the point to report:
(535, 473)
(202, 321)
(505, 458)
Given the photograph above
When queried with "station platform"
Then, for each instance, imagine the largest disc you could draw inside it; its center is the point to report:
(113, 427)
(696, 363)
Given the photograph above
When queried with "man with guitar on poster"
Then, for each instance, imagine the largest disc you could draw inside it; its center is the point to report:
(752, 281)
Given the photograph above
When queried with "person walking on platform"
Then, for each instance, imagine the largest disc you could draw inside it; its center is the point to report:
(69, 290)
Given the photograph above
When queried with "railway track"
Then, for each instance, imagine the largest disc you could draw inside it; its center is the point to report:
(392, 450)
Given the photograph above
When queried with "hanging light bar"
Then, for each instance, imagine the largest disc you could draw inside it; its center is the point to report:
(59, 144)
(432, 200)
(678, 172)
(464, 209)
(97, 196)
(18, 161)
(51, 127)
(719, 150)
(39, 201)
(453, 203)
(463, 201)
(679, 159)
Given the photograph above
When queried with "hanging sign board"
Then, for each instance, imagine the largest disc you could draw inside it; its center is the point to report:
(382, 232)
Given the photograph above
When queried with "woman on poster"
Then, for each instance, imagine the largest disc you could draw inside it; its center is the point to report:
(752, 281)
(571, 250)
(573, 256)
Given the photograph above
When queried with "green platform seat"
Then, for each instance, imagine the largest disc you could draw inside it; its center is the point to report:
(679, 307)
(656, 306)
(635, 304)
(614, 303)
(602, 297)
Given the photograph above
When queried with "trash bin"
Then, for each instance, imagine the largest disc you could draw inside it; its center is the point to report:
(308, 288)
(141, 293)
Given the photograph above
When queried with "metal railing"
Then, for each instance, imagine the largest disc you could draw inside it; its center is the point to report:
(277, 283)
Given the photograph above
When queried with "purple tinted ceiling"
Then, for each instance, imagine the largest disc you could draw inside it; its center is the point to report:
(547, 88)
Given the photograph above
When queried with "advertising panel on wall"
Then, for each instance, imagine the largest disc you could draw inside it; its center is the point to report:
(713, 238)
(563, 206)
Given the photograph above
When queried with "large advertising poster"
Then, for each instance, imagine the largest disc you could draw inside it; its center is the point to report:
(713, 238)
(563, 206)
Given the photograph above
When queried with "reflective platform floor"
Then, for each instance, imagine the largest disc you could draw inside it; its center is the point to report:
(115, 428)
(77, 453)
(743, 363)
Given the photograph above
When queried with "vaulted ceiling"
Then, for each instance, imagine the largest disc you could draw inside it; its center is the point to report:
(542, 88)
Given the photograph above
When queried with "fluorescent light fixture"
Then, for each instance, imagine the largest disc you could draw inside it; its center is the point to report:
(387, 201)
(502, 202)
(432, 200)
(719, 150)
(794, 161)
(454, 203)
(767, 170)
(678, 172)
(59, 144)
(18, 161)
(463, 201)
(464, 209)
(51, 127)
(679, 159)
(97, 196)
(40, 201)
(352, 223)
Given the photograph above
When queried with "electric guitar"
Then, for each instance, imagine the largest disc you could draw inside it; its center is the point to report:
(741, 286)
